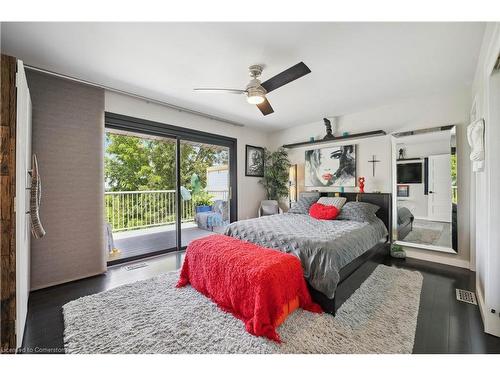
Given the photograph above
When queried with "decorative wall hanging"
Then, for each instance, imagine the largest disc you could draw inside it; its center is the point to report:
(403, 191)
(254, 161)
(331, 166)
(475, 136)
(373, 161)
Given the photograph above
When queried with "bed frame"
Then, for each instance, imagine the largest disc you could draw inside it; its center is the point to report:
(384, 201)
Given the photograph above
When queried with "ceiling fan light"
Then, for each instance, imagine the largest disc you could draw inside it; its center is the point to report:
(256, 99)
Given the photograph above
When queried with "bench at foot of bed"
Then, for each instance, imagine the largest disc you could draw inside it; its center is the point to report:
(258, 285)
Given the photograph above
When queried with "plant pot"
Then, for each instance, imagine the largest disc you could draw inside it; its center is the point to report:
(203, 208)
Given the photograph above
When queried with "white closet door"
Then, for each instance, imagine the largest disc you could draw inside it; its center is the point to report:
(439, 201)
(23, 232)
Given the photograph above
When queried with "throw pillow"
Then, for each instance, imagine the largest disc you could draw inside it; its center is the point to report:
(302, 205)
(323, 212)
(333, 201)
(358, 211)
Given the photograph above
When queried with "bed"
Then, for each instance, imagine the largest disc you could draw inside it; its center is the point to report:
(329, 250)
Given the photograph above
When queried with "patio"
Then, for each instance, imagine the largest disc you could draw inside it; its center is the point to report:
(143, 222)
(150, 240)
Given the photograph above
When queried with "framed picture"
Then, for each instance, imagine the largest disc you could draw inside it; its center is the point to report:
(331, 166)
(403, 191)
(254, 161)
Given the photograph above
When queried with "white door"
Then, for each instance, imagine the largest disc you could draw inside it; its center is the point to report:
(439, 198)
(23, 230)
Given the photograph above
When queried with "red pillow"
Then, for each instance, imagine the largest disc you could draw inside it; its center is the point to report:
(323, 212)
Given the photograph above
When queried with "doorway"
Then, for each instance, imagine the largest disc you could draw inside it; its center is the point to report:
(165, 186)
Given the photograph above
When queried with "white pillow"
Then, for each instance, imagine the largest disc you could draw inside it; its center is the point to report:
(333, 201)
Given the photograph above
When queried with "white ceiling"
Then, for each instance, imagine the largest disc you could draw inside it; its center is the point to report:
(354, 66)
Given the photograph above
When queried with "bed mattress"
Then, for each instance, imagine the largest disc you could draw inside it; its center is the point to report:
(323, 246)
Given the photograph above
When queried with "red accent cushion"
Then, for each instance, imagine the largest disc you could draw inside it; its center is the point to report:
(323, 212)
(252, 282)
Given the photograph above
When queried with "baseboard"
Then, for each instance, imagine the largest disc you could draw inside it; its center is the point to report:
(480, 301)
(450, 261)
(80, 277)
(491, 322)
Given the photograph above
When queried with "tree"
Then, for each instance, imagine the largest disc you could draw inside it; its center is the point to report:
(135, 163)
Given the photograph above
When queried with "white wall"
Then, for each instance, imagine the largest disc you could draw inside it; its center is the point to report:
(486, 201)
(410, 114)
(250, 192)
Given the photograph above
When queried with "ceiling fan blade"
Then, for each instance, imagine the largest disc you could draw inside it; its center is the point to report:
(265, 107)
(286, 76)
(221, 91)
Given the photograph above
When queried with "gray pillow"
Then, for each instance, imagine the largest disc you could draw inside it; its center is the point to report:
(358, 211)
(302, 205)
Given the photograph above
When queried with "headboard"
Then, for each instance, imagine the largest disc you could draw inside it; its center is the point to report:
(383, 200)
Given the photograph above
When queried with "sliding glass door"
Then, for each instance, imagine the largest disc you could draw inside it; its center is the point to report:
(140, 194)
(165, 186)
(204, 190)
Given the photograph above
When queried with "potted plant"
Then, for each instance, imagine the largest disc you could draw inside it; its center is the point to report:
(397, 251)
(276, 173)
(203, 201)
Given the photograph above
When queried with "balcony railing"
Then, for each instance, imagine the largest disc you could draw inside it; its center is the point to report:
(128, 210)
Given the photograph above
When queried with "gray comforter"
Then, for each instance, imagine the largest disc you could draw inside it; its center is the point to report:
(323, 246)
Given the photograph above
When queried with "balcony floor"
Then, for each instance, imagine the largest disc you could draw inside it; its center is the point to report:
(141, 242)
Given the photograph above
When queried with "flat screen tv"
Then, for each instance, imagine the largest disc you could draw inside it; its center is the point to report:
(410, 173)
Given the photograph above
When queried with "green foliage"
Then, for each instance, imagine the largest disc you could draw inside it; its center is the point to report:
(134, 163)
(138, 164)
(454, 180)
(395, 248)
(202, 199)
(276, 169)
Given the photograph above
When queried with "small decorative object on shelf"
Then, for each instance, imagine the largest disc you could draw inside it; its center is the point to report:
(341, 189)
(345, 134)
(329, 131)
(401, 153)
(361, 181)
(311, 139)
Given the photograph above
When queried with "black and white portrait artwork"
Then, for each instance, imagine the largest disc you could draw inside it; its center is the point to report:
(254, 163)
(332, 166)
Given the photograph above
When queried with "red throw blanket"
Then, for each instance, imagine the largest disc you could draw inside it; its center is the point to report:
(251, 282)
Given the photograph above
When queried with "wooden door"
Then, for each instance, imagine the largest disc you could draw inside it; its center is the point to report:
(7, 217)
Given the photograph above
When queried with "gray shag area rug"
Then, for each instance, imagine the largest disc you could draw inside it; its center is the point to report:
(423, 236)
(152, 316)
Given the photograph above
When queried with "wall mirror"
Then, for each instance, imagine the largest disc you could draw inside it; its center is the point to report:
(425, 188)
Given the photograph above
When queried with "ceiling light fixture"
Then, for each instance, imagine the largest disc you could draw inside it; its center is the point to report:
(256, 94)
(255, 99)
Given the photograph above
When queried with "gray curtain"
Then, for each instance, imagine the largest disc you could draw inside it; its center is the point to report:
(68, 138)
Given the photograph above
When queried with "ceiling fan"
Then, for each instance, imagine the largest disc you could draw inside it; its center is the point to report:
(256, 91)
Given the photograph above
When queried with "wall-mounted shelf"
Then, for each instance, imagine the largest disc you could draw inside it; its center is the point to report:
(408, 159)
(374, 133)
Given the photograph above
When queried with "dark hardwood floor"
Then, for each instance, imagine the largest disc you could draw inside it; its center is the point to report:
(444, 325)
